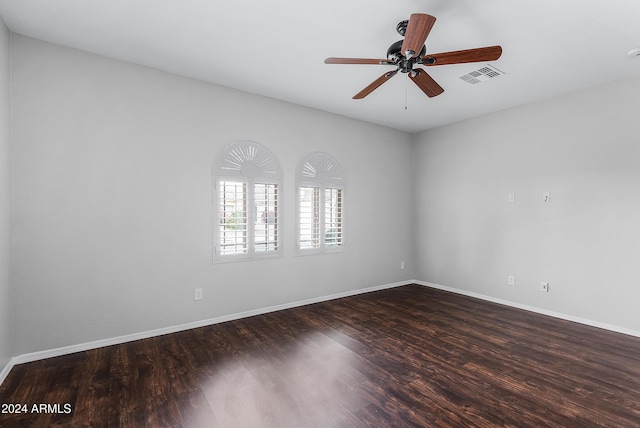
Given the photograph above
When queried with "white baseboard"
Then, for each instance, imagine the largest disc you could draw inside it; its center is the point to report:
(56, 352)
(559, 315)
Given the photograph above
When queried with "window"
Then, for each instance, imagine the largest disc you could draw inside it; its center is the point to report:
(320, 205)
(247, 181)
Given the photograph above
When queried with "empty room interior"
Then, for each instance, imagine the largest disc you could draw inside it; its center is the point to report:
(203, 222)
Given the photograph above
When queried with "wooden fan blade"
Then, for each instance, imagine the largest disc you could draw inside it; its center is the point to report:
(490, 53)
(373, 61)
(374, 85)
(418, 29)
(426, 83)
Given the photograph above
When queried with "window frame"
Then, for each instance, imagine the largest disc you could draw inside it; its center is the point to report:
(251, 164)
(321, 171)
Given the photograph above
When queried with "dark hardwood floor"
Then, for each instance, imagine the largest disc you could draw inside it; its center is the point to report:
(408, 356)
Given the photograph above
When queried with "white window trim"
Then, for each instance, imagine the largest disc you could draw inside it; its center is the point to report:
(263, 169)
(323, 180)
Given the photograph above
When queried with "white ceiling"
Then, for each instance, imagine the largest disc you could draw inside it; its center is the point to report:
(276, 48)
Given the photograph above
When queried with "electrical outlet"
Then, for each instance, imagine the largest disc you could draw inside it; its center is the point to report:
(511, 280)
(511, 197)
(544, 287)
(198, 294)
(401, 265)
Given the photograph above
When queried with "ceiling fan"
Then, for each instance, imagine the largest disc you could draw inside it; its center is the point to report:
(411, 51)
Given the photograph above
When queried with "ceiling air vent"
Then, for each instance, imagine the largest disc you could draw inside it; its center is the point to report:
(481, 75)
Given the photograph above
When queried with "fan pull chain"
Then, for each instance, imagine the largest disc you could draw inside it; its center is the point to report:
(406, 88)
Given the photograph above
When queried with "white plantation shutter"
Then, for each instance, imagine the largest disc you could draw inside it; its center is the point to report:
(233, 218)
(247, 180)
(321, 184)
(333, 217)
(309, 217)
(266, 202)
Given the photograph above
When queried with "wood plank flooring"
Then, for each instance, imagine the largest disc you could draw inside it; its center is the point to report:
(404, 357)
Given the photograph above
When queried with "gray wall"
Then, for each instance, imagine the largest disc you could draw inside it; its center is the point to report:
(6, 298)
(113, 203)
(113, 211)
(584, 148)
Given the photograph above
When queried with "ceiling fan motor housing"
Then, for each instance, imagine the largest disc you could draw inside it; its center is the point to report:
(401, 28)
(395, 54)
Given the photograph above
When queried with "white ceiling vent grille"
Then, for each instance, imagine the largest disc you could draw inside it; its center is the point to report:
(482, 75)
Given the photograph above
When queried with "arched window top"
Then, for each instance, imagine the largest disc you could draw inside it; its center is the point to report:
(321, 168)
(247, 159)
(320, 211)
(246, 211)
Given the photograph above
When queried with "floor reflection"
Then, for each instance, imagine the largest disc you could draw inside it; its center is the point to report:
(315, 383)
